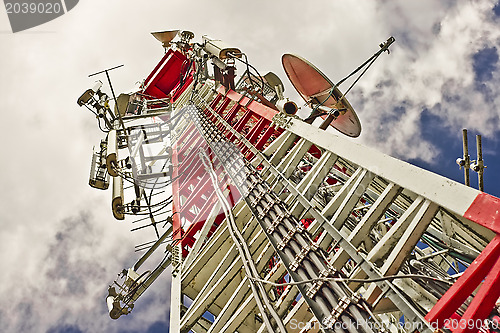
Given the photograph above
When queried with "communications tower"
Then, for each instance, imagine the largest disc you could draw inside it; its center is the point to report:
(271, 222)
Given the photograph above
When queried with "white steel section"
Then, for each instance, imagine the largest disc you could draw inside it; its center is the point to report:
(405, 243)
(217, 291)
(215, 249)
(358, 189)
(446, 193)
(239, 294)
(239, 315)
(281, 146)
(222, 279)
(470, 246)
(221, 282)
(342, 194)
(362, 230)
(201, 326)
(421, 296)
(138, 145)
(274, 145)
(309, 184)
(410, 237)
(203, 235)
(175, 297)
(292, 159)
(413, 213)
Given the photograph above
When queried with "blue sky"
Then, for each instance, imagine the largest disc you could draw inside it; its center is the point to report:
(484, 63)
(60, 246)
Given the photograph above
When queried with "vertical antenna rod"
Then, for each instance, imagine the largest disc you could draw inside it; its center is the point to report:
(466, 157)
(113, 93)
(480, 162)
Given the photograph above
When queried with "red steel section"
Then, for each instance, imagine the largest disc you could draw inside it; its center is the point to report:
(166, 75)
(257, 108)
(257, 130)
(176, 203)
(481, 306)
(483, 272)
(178, 92)
(194, 189)
(485, 211)
(486, 267)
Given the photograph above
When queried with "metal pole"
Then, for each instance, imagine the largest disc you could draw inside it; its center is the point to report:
(466, 157)
(480, 162)
(151, 249)
(113, 93)
(176, 291)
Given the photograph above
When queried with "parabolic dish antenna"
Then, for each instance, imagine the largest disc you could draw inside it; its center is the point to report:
(165, 36)
(315, 87)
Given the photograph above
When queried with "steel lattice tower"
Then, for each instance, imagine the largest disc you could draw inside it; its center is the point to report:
(272, 223)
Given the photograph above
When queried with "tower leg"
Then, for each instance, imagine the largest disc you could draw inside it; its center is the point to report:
(175, 295)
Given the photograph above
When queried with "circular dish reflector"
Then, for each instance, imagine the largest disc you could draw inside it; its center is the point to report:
(315, 87)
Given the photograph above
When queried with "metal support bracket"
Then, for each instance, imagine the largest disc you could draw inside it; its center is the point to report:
(282, 120)
(340, 309)
(330, 271)
(277, 221)
(300, 257)
(267, 207)
(297, 230)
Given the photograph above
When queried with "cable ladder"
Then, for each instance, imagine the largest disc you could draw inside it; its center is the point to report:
(278, 162)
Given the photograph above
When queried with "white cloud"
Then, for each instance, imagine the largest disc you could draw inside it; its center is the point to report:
(62, 280)
(431, 70)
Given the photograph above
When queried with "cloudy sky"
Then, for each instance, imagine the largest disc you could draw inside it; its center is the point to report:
(60, 246)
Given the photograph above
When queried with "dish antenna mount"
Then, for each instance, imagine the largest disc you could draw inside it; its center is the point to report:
(323, 96)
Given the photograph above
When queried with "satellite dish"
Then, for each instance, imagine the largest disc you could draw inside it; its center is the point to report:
(315, 87)
(165, 36)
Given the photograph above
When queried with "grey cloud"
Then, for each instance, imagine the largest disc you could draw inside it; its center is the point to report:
(70, 286)
(69, 269)
(65, 329)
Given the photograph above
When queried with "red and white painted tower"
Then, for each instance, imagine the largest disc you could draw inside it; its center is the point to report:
(281, 224)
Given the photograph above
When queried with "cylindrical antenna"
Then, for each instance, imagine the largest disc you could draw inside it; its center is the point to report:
(480, 162)
(466, 157)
